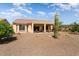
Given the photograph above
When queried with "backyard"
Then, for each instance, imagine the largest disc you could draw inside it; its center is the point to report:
(42, 44)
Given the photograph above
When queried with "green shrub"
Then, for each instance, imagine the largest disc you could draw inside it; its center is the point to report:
(5, 29)
(74, 27)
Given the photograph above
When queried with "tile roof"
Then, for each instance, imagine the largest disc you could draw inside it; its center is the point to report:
(29, 21)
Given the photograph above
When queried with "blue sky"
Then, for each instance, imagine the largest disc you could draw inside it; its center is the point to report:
(68, 13)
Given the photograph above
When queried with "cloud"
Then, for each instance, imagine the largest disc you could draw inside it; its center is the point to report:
(51, 13)
(74, 5)
(18, 11)
(41, 12)
(61, 6)
(19, 4)
(30, 8)
(28, 11)
(65, 6)
(68, 7)
(11, 14)
(25, 10)
(76, 12)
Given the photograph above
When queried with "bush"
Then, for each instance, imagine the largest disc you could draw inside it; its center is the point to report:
(74, 27)
(5, 29)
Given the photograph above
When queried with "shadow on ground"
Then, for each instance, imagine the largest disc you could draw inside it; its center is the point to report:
(8, 40)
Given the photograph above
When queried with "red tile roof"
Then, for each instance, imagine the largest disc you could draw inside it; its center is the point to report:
(29, 21)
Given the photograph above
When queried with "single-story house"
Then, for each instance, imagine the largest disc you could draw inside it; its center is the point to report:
(28, 25)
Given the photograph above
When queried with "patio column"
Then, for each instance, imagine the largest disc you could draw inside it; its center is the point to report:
(32, 27)
(44, 27)
(17, 27)
(51, 27)
(25, 28)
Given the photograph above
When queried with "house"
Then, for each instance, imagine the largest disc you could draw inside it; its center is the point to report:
(28, 25)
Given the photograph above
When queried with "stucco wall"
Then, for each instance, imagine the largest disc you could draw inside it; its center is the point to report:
(22, 31)
(14, 28)
(30, 28)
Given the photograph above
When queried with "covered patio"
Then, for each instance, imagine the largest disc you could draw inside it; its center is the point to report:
(42, 27)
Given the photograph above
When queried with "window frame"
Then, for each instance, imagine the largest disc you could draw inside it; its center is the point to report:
(21, 27)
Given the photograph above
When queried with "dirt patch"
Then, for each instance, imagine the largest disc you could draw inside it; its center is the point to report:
(42, 44)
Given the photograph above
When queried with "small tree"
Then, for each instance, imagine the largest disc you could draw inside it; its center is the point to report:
(5, 29)
(56, 25)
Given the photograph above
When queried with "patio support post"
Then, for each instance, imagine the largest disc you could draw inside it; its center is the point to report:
(17, 28)
(26, 28)
(44, 27)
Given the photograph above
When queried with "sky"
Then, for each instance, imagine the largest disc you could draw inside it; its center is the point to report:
(68, 12)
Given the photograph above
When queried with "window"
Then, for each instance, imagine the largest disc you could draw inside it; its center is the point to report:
(21, 27)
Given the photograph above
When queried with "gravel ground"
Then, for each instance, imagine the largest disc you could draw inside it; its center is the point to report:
(42, 44)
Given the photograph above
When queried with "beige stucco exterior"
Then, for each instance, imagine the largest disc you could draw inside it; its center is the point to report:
(14, 27)
(29, 28)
